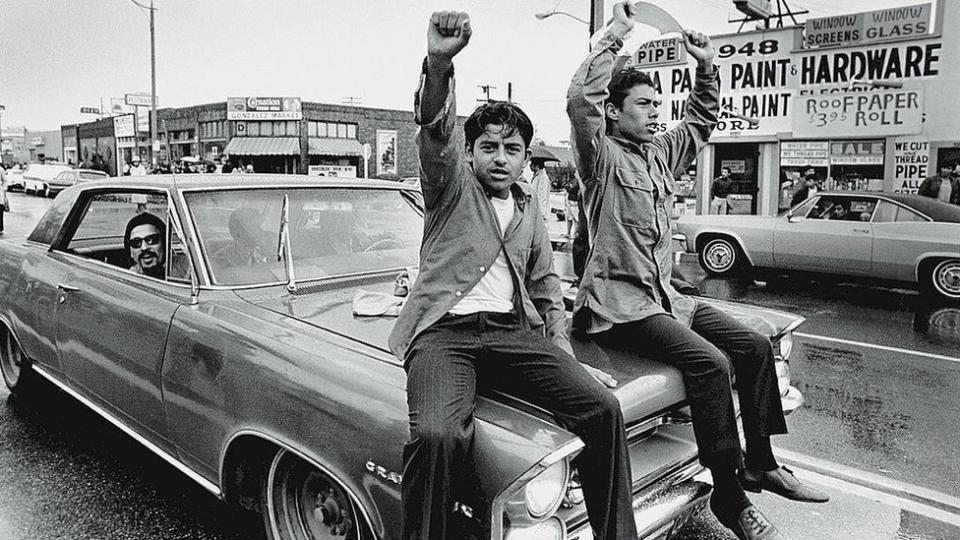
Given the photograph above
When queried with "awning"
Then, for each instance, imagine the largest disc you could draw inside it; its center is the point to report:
(334, 147)
(263, 146)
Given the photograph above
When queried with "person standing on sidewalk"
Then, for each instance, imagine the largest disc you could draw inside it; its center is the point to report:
(626, 300)
(719, 191)
(486, 310)
(541, 187)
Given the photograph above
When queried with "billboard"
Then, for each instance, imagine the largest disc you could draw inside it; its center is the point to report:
(264, 108)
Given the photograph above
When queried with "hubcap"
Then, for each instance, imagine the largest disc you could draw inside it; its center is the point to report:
(304, 503)
(10, 358)
(719, 256)
(947, 278)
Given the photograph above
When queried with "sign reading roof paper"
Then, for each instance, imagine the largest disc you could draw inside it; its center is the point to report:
(884, 25)
(264, 108)
(856, 114)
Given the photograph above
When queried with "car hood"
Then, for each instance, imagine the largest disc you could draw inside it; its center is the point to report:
(646, 388)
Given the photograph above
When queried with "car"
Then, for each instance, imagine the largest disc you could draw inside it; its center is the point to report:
(252, 375)
(37, 177)
(891, 238)
(72, 177)
(14, 180)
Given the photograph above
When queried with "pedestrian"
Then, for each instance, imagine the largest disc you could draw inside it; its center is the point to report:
(719, 191)
(944, 186)
(227, 167)
(571, 210)
(249, 169)
(137, 169)
(811, 184)
(541, 186)
(486, 310)
(626, 299)
(4, 200)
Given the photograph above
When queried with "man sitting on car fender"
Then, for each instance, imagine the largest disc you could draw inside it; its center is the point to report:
(626, 300)
(486, 309)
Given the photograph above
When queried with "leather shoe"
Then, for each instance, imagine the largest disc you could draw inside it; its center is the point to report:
(782, 482)
(750, 524)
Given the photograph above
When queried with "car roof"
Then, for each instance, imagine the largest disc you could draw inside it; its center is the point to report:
(934, 209)
(250, 180)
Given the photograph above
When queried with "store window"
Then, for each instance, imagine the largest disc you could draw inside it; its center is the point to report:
(211, 130)
(855, 166)
(332, 129)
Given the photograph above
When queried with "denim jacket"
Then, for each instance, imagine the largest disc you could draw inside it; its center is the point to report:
(627, 192)
(461, 239)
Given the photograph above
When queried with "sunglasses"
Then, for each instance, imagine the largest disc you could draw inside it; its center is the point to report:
(151, 240)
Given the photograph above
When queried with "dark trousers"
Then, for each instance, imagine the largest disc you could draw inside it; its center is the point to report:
(455, 357)
(698, 352)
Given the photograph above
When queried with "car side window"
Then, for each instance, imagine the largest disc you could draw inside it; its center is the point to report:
(843, 209)
(99, 231)
(887, 212)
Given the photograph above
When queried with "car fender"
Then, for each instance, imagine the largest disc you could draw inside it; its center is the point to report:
(713, 231)
(924, 257)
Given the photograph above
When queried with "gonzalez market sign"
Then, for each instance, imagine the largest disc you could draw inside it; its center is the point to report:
(264, 108)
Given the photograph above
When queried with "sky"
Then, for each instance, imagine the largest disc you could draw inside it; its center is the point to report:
(59, 55)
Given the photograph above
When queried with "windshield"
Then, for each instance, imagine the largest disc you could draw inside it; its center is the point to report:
(333, 231)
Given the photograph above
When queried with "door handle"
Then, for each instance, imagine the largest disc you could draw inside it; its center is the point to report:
(67, 288)
(866, 231)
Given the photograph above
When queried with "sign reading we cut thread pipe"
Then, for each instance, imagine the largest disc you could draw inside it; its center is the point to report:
(877, 113)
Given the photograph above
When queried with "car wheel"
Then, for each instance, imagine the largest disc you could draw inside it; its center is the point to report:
(719, 256)
(301, 502)
(13, 362)
(945, 279)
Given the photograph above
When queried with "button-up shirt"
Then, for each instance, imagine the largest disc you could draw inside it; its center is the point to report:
(627, 191)
(462, 239)
(541, 188)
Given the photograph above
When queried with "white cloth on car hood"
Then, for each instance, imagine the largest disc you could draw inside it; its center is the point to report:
(374, 304)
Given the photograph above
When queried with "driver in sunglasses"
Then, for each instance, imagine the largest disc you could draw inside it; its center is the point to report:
(144, 240)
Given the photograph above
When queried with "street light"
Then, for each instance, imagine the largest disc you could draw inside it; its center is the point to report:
(542, 16)
(154, 142)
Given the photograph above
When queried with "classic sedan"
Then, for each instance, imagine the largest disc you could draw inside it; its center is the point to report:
(890, 237)
(245, 367)
(73, 177)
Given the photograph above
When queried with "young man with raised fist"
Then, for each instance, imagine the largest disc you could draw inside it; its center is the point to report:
(626, 300)
(486, 310)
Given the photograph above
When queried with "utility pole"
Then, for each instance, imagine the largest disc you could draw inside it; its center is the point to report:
(353, 101)
(509, 92)
(596, 16)
(155, 148)
(485, 88)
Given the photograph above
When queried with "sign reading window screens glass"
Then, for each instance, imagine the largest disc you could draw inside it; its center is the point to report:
(804, 153)
(386, 152)
(892, 24)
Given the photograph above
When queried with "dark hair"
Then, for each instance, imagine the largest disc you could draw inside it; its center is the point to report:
(143, 218)
(511, 117)
(624, 81)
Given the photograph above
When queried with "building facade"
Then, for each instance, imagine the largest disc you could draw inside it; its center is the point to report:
(866, 99)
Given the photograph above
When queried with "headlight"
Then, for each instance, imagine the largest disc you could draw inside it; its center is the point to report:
(783, 376)
(786, 345)
(551, 529)
(545, 492)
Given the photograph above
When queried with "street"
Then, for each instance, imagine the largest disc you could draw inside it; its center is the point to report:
(878, 431)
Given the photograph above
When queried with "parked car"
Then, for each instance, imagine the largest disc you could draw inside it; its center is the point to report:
(14, 179)
(73, 177)
(890, 237)
(254, 378)
(37, 177)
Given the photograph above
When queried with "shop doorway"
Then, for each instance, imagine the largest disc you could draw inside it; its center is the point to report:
(742, 160)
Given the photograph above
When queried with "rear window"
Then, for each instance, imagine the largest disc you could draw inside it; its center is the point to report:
(91, 175)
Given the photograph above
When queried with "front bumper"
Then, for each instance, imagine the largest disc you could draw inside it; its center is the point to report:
(791, 400)
(660, 510)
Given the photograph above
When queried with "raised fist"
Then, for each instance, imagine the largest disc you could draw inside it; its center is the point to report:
(623, 14)
(699, 46)
(448, 33)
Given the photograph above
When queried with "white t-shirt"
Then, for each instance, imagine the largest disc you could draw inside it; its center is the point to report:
(945, 189)
(494, 292)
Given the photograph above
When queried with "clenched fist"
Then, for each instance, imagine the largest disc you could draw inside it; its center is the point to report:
(699, 47)
(447, 34)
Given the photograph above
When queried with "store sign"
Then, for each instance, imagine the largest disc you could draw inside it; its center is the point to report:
(856, 152)
(36, 141)
(336, 171)
(123, 125)
(659, 52)
(879, 26)
(804, 153)
(264, 108)
(386, 152)
(873, 113)
(911, 164)
(139, 100)
(736, 166)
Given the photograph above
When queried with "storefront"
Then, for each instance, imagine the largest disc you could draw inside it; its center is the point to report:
(859, 98)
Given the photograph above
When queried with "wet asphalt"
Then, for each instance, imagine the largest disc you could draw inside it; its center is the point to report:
(66, 473)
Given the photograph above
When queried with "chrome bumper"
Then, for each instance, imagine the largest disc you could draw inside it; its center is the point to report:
(660, 512)
(791, 400)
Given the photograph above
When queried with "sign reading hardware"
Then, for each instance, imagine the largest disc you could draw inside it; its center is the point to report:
(264, 108)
